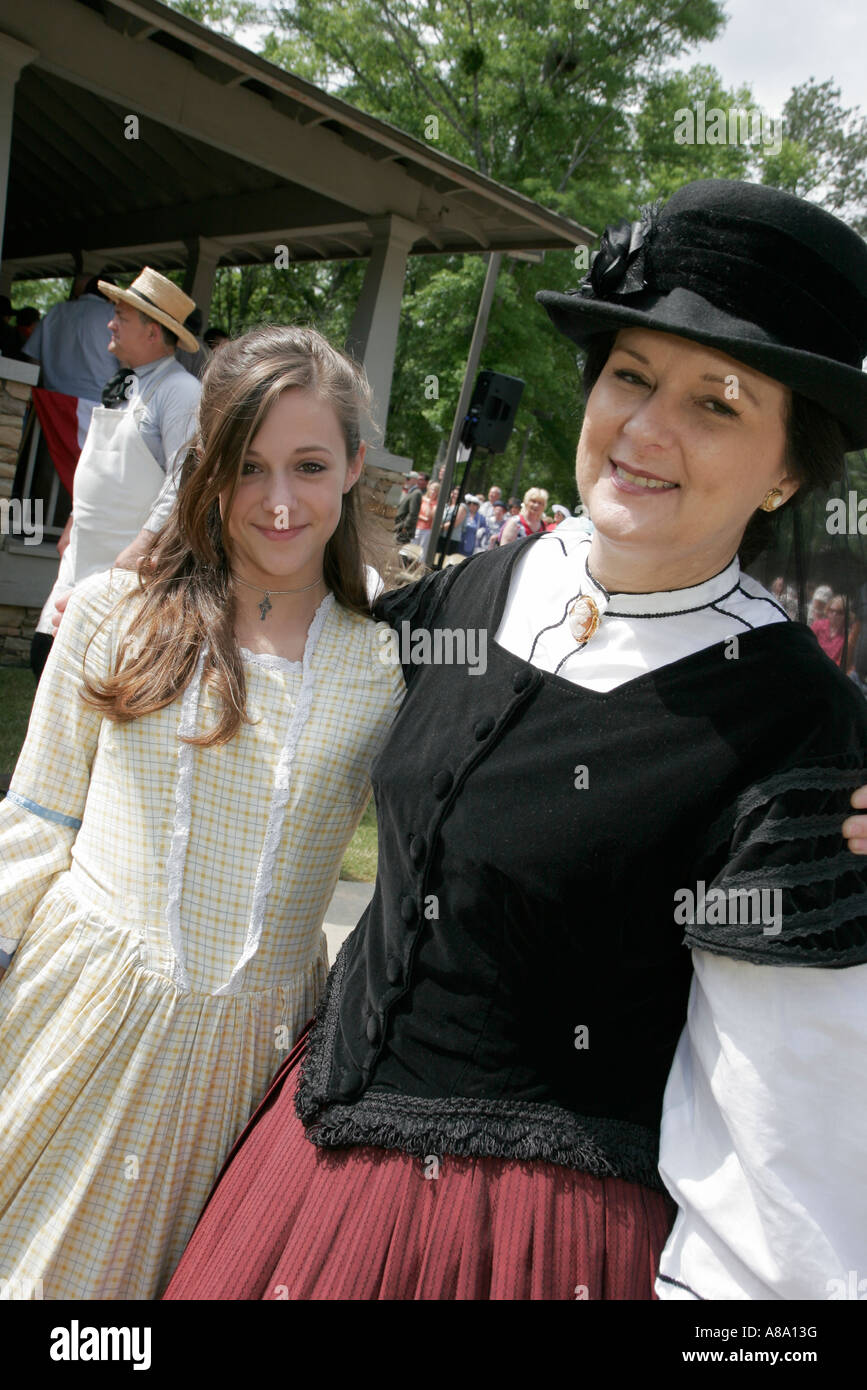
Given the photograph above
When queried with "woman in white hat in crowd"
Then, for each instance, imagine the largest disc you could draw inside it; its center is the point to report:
(475, 534)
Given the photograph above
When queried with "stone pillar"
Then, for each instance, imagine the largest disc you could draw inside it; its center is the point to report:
(14, 56)
(18, 618)
(14, 396)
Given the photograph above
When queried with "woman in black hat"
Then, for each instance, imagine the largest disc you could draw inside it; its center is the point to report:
(654, 757)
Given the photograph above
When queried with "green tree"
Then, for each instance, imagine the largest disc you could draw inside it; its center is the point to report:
(572, 105)
(225, 16)
(824, 154)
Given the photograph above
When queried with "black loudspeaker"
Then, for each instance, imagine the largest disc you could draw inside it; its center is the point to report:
(491, 416)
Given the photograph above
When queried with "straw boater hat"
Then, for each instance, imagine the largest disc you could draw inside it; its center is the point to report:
(761, 275)
(157, 297)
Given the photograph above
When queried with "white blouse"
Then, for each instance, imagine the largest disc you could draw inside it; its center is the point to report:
(771, 1192)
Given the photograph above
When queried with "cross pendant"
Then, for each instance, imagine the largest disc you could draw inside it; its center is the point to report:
(265, 606)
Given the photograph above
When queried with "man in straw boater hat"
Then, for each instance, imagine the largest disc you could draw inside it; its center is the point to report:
(125, 480)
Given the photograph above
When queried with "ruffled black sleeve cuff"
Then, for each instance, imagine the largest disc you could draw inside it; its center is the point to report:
(780, 886)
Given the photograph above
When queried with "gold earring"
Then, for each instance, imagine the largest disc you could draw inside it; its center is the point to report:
(773, 500)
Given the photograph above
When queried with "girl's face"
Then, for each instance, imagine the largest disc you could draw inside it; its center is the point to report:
(290, 492)
(680, 446)
(533, 507)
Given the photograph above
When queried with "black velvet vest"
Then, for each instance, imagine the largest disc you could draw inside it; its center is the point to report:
(519, 981)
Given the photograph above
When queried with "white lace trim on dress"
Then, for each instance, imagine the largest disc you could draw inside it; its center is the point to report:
(181, 830)
(279, 798)
(276, 663)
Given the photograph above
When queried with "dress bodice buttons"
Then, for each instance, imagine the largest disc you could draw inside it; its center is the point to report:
(442, 784)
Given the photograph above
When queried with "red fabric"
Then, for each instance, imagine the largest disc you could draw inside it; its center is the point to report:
(288, 1220)
(58, 416)
(830, 642)
(426, 509)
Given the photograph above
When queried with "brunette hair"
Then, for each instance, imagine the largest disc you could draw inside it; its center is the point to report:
(185, 580)
(816, 445)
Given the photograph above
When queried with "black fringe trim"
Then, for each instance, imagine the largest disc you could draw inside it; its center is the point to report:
(511, 1130)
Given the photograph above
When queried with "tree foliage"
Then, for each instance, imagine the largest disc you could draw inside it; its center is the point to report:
(571, 104)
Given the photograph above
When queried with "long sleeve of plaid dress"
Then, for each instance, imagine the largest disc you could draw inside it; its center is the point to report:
(42, 811)
(162, 908)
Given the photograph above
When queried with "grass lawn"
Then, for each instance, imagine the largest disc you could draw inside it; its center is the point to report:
(359, 861)
(17, 687)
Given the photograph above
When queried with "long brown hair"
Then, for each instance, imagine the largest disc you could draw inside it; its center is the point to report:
(185, 578)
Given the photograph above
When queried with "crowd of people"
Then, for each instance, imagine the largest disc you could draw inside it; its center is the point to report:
(17, 327)
(477, 525)
(474, 524)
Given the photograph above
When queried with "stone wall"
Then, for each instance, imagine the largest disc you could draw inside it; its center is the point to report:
(378, 484)
(16, 629)
(17, 623)
(14, 397)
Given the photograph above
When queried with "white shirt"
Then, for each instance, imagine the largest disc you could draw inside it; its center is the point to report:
(631, 639)
(168, 427)
(764, 1126)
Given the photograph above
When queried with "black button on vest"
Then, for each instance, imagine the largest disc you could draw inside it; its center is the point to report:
(442, 784)
(484, 728)
(394, 970)
(522, 680)
(408, 910)
(417, 849)
(373, 1029)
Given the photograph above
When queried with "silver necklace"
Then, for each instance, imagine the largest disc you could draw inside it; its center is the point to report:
(266, 605)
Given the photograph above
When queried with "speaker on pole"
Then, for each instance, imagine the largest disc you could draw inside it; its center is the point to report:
(491, 415)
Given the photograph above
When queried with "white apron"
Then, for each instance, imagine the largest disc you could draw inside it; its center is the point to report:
(116, 482)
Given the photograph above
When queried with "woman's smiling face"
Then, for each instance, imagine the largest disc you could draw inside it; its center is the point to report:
(680, 446)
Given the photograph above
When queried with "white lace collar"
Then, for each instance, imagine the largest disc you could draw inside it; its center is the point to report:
(666, 603)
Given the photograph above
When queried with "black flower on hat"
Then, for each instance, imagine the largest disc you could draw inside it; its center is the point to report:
(618, 266)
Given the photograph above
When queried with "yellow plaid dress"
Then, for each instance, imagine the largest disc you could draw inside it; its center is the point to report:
(163, 908)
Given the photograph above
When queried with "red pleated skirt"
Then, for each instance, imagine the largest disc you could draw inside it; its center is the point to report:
(288, 1220)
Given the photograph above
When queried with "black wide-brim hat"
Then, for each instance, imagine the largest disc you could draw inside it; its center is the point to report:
(771, 280)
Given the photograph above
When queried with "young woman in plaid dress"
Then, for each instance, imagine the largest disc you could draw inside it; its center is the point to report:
(195, 765)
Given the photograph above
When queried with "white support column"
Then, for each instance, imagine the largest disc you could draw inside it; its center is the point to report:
(372, 338)
(14, 56)
(205, 252)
